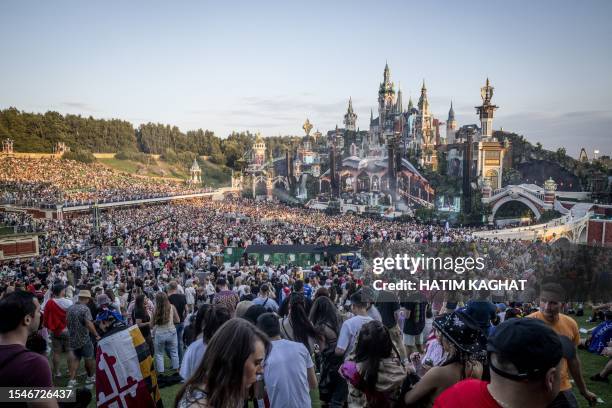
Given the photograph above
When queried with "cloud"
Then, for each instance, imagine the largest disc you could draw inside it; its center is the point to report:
(283, 113)
(79, 105)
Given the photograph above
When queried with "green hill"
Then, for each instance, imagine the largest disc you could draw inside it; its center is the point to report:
(213, 175)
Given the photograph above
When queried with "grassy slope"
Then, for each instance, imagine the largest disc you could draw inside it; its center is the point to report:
(212, 174)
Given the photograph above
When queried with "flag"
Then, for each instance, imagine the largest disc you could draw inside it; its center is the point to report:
(125, 375)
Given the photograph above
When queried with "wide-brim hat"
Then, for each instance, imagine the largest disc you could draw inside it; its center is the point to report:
(462, 331)
(84, 293)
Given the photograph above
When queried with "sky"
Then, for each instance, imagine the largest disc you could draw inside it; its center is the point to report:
(267, 66)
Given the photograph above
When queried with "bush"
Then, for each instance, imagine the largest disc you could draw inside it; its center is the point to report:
(134, 156)
(83, 156)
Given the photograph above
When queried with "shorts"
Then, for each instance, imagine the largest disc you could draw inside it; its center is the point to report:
(86, 351)
(564, 399)
(60, 344)
(410, 340)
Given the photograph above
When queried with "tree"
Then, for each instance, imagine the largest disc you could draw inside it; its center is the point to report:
(561, 154)
(511, 177)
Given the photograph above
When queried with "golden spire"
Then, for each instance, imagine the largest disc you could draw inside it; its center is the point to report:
(307, 127)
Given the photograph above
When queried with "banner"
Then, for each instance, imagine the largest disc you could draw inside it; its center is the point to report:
(125, 375)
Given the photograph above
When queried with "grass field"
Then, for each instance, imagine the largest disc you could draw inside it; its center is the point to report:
(591, 364)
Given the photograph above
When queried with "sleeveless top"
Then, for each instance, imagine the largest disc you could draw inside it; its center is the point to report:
(169, 325)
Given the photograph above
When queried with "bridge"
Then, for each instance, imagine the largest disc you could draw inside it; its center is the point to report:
(537, 199)
(571, 227)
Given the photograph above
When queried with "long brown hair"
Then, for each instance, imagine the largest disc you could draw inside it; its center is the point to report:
(162, 309)
(221, 369)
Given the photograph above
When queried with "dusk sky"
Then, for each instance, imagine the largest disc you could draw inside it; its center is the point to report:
(266, 66)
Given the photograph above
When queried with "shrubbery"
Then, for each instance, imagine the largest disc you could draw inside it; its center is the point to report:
(132, 155)
(80, 155)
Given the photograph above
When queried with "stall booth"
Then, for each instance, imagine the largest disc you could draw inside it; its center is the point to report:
(304, 256)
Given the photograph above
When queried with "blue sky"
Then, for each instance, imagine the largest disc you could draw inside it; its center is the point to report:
(266, 66)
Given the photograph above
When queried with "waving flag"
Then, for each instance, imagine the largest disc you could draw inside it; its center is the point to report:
(125, 376)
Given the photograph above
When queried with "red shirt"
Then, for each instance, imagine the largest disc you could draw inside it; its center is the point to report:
(466, 394)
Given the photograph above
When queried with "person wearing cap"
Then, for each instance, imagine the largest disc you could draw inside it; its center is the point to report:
(110, 322)
(525, 358)
(80, 325)
(464, 345)
(552, 297)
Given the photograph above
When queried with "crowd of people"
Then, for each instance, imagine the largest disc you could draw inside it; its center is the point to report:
(48, 182)
(239, 333)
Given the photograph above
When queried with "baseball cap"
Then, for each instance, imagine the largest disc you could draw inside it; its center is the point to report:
(531, 346)
(109, 314)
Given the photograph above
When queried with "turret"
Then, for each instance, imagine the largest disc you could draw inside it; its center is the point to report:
(398, 104)
(423, 104)
(486, 110)
(350, 118)
(451, 125)
(259, 150)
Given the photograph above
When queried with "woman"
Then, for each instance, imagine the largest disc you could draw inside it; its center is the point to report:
(164, 319)
(374, 370)
(296, 326)
(213, 317)
(141, 317)
(193, 329)
(234, 358)
(148, 304)
(464, 345)
(326, 320)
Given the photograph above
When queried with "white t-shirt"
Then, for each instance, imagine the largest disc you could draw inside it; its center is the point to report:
(349, 332)
(190, 294)
(192, 358)
(286, 374)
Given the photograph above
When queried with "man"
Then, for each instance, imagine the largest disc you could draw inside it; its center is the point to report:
(179, 302)
(552, 296)
(307, 288)
(225, 297)
(350, 328)
(388, 305)
(54, 319)
(264, 299)
(525, 362)
(289, 372)
(80, 325)
(20, 367)
(414, 324)
(110, 322)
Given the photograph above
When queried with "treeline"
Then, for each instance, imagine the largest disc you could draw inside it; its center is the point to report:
(35, 132)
